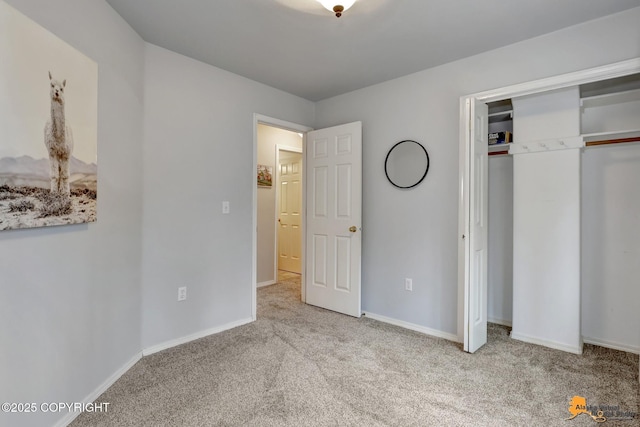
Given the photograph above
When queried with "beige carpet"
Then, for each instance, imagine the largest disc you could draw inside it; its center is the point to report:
(303, 366)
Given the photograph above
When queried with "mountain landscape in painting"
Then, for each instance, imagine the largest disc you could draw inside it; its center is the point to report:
(26, 200)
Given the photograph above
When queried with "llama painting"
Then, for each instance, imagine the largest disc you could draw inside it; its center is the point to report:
(46, 178)
(58, 140)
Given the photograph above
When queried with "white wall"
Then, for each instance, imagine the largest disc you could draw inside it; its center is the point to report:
(610, 252)
(268, 138)
(500, 240)
(414, 233)
(546, 248)
(70, 296)
(546, 222)
(198, 151)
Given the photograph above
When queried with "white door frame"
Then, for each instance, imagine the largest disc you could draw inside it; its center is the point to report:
(617, 69)
(283, 124)
(290, 149)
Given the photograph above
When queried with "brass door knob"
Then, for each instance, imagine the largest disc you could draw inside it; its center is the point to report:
(353, 229)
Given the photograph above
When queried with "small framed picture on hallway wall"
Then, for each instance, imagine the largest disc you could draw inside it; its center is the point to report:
(265, 176)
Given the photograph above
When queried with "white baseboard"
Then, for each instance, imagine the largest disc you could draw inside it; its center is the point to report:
(612, 345)
(413, 327)
(500, 321)
(178, 341)
(67, 419)
(547, 343)
(267, 283)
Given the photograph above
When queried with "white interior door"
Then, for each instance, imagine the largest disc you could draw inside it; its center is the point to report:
(334, 218)
(475, 303)
(289, 211)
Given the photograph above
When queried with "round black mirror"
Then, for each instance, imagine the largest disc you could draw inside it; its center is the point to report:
(407, 164)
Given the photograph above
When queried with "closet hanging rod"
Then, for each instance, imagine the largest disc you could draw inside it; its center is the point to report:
(499, 153)
(612, 141)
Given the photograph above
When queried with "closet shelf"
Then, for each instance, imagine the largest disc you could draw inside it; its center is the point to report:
(498, 148)
(629, 133)
(617, 137)
(610, 98)
(501, 116)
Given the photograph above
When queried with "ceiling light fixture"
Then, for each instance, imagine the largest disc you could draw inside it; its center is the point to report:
(337, 6)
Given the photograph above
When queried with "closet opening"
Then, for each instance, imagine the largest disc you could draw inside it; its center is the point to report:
(500, 214)
(604, 134)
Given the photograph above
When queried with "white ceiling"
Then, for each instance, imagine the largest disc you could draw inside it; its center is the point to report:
(299, 47)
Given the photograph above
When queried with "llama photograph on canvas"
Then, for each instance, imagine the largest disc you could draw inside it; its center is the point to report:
(48, 123)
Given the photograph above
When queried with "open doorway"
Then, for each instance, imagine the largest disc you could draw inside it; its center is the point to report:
(274, 139)
(331, 223)
(279, 203)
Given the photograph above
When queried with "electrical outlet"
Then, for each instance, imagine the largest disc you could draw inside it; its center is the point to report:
(182, 293)
(226, 208)
(408, 284)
